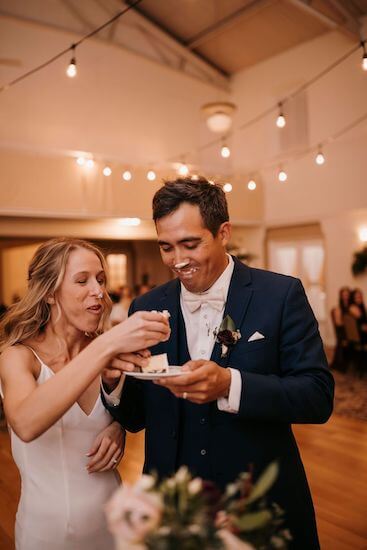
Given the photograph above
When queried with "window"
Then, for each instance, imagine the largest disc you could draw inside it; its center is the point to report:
(117, 270)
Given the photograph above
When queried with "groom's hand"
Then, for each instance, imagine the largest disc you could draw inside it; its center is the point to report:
(205, 381)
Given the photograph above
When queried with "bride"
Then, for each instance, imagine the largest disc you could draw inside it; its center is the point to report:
(64, 442)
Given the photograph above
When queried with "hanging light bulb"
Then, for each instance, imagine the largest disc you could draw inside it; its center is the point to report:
(80, 161)
(107, 171)
(89, 163)
(72, 71)
(251, 185)
(211, 182)
(151, 175)
(320, 159)
(281, 122)
(282, 175)
(225, 151)
(227, 187)
(195, 177)
(364, 57)
(127, 175)
(183, 170)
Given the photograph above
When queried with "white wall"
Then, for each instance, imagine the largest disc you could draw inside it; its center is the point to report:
(334, 194)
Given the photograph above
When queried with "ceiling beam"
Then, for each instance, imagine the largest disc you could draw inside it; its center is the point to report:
(351, 20)
(350, 26)
(186, 59)
(213, 30)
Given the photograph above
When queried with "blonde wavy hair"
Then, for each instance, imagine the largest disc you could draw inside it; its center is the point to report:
(29, 317)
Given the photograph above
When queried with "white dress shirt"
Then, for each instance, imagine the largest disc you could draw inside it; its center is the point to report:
(201, 327)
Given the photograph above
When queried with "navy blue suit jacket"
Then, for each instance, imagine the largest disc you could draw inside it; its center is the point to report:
(285, 380)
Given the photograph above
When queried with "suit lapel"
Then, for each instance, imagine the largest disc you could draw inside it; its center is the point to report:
(238, 300)
(171, 302)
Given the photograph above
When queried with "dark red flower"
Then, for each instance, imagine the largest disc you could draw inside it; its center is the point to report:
(226, 337)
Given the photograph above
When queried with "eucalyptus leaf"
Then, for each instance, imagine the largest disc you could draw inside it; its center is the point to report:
(228, 324)
(264, 482)
(253, 521)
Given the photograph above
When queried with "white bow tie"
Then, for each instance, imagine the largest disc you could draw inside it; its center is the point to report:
(214, 299)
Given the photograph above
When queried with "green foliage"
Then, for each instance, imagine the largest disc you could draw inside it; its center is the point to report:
(359, 264)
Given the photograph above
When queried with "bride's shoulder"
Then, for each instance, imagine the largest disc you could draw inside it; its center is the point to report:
(18, 355)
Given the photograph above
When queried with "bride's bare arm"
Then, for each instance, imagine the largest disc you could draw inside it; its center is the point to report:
(31, 409)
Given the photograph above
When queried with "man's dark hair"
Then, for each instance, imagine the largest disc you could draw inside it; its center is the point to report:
(210, 199)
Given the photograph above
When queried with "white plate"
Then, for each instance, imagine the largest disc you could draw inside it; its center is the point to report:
(173, 371)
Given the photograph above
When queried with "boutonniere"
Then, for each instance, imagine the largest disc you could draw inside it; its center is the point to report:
(227, 335)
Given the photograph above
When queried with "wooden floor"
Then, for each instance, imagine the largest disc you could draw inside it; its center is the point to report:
(335, 457)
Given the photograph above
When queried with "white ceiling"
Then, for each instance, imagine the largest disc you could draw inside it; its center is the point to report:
(141, 83)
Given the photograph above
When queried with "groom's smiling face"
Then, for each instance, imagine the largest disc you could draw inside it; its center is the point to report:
(190, 250)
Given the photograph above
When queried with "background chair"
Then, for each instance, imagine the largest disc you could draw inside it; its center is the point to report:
(357, 348)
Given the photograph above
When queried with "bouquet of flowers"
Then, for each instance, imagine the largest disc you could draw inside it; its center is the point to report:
(186, 513)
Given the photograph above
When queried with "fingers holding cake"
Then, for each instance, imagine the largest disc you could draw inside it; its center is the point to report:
(131, 361)
(141, 330)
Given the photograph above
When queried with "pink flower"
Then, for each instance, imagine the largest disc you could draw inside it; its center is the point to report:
(133, 513)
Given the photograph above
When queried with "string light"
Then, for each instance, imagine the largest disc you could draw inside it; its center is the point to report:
(151, 175)
(129, 222)
(282, 175)
(362, 234)
(183, 170)
(80, 161)
(281, 122)
(195, 177)
(225, 151)
(107, 171)
(227, 187)
(364, 56)
(251, 185)
(320, 159)
(72, 71)
(127, 175)
(89, 163)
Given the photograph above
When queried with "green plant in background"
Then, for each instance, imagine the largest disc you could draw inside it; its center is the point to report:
(359, 264)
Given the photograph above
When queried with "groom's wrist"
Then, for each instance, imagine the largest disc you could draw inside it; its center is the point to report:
(226, 382)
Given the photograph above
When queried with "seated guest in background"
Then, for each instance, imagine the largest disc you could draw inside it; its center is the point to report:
(64, 442)
(120, 309)
(358, 310)
(141, 289)
(342, 307)
(341, 353)
(241, 388)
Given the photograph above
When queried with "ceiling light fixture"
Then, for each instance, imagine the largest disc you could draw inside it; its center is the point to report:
(219, 115)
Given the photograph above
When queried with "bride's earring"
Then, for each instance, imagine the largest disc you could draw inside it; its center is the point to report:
(100, 295)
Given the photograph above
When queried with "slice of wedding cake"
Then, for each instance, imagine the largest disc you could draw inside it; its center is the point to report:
(157, 364)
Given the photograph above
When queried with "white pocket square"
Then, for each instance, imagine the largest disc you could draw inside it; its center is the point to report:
(256, 336)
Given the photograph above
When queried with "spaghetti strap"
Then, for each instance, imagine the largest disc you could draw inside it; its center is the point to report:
(35, 354)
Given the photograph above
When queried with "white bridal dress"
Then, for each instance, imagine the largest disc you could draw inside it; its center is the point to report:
(61, 505)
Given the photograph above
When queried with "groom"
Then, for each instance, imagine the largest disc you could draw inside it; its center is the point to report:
(234, 407)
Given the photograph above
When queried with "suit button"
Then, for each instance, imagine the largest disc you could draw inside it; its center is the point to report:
(202, 420)
(203, 452)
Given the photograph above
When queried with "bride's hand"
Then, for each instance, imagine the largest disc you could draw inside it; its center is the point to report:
(141, 330)
(123, 362)
(107, 449)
